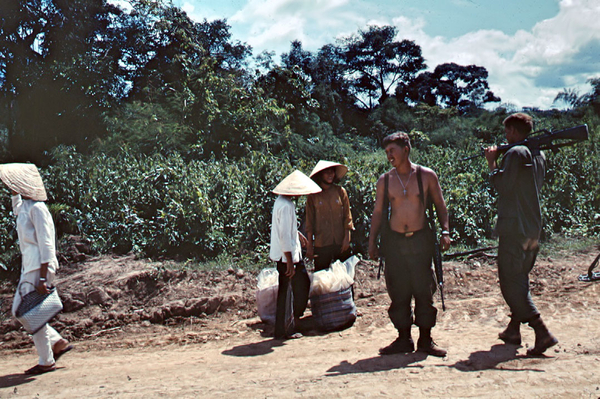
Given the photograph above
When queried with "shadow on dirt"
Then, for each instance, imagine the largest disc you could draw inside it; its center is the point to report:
(254, 349)
(13, 380)
(379, 363)
(491, 359)
(477, 361)
(306, 326)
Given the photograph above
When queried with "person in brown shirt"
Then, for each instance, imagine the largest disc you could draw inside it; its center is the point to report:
(328, 216)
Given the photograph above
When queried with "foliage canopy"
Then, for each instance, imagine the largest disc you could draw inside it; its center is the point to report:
(161, 135)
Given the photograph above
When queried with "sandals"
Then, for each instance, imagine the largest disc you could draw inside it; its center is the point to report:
(39, 369)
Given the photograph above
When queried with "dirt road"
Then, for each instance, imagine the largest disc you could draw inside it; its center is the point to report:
(228, 357)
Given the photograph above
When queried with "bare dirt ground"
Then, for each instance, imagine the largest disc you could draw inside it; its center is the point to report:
(141, 329)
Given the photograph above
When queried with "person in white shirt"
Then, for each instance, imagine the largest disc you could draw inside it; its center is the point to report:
(35, 230)
(286, 250)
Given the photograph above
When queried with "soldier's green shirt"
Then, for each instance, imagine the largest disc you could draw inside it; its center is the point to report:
(518, 182)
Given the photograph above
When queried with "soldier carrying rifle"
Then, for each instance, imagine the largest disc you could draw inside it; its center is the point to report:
(518, 180)
(407, 243)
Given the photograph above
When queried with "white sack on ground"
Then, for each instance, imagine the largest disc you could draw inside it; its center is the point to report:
(332, 279)
(350, 264)
(266, 295)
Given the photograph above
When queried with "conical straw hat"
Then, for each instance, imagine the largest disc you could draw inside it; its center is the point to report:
(25, 179)
(340, 170)
(297, 183)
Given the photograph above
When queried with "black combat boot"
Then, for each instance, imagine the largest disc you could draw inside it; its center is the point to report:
(426, 345)
(403, 344)
(512, 333)
(543, 338)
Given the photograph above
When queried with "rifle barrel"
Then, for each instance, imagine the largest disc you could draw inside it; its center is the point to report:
(380, 268)
(470, 252)
(545, 140)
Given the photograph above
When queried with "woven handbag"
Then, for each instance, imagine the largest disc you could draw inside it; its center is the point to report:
(37, 309)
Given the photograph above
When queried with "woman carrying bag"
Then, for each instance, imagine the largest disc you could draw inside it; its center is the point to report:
(35, 230)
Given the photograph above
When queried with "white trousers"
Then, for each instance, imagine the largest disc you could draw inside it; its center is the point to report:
(47, 336)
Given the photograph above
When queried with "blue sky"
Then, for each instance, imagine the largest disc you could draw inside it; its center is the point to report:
(532, 49)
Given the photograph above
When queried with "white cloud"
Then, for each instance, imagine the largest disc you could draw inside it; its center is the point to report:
(558, 39)
(194, 13)
(188, 8)
(123, 4)
(282, 32)
(273, 24)
(526, 68)
(274, 9)
(516, 63)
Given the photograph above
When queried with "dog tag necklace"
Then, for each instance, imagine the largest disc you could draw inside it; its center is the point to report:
(400, 180)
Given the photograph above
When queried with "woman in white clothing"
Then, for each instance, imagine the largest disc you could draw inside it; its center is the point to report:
(35, 230)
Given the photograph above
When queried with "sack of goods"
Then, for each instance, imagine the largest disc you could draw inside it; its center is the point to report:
(331, 300)
(266, 295)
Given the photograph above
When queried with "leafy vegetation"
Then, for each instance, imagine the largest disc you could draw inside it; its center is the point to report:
(162, 136)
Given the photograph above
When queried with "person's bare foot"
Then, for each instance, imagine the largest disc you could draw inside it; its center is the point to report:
(60, 348)
(60, 345)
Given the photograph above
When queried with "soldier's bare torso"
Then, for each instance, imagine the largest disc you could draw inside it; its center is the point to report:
(407, 209)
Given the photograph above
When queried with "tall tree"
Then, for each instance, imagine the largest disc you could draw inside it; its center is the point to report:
(60, 67)
(449, 85)
(570, 98)
(298, 57)
(573, 99)
(376, 62)
(324, 73)
(196, 81)
(178, 46)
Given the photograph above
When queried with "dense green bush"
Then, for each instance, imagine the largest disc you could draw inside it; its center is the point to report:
(181, 138)
(166, 205)
(162, 205)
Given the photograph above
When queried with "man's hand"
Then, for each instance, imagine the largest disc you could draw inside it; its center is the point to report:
(310, 252)
(530, 244)
(491, 155)
(303, 240)
(445, 242)
(290, 270)
(345, 244)
(289, 262)
(373, 251)
(42, 288)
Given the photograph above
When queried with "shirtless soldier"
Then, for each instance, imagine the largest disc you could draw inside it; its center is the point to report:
(407, 245)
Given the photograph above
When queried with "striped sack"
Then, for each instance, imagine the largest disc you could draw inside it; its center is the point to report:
(334, 311)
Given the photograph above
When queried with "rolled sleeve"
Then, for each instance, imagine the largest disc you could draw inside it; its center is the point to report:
(17, 201)
(45, 234)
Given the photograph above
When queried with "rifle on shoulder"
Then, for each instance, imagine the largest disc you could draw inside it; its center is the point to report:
(545, 140)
